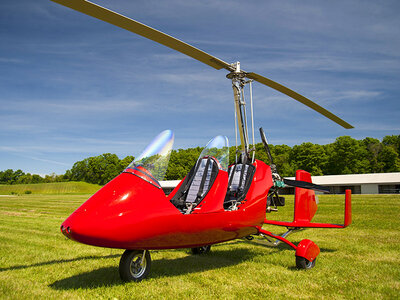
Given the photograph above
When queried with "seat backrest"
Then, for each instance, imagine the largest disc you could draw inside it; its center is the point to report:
(196, 184)
(201, 180)
(240, 176)
(237, 174)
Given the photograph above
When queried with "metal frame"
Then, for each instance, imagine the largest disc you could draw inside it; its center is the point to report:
(239, 80)
(278, 238)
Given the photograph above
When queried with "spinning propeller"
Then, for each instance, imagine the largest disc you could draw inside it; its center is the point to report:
(116, 19)
(295, 183)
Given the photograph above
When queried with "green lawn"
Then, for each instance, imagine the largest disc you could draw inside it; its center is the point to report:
(71, 187)
(362, 261)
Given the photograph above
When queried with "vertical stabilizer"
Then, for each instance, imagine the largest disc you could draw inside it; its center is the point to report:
(305, 205)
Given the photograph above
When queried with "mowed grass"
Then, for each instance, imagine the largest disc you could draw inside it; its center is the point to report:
(361, 261)
(71, 187)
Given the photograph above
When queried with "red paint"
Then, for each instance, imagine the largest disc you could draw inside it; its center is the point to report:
(305, 202)
(307, 249)
(282, 239)
(347, 209)
(305, 207)
(131, 213)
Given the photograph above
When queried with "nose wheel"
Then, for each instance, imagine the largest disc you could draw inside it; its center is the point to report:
(134, 265)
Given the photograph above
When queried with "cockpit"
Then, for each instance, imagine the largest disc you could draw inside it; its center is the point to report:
(196, 185)
(152, 164)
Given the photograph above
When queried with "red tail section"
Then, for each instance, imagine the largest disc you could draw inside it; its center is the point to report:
(347, 209)
(305, 204)
(305, 207)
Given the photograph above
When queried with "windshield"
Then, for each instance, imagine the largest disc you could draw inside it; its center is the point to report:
(218, 147)
(152, 164)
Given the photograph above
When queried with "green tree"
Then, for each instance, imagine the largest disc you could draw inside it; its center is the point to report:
(125, 162)
(6, 176)
(103, 168)
(79, 171)
(281, 157)
(16, 176)
(347, 156)
(393, 141)
(389, 159)
(98, 169)
(374, 147)
(181, 161)
(36, 179)
(309, 157)
(26, 178)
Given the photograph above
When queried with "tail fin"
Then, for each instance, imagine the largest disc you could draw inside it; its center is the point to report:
(347, 209)
(305, 203)
(305, 207)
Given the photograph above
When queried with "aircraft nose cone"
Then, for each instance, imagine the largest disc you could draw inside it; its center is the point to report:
(72, 226)
(83, 226)
(66, 230)
(118, 214)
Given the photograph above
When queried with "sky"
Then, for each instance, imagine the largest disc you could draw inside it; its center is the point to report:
(72, 86)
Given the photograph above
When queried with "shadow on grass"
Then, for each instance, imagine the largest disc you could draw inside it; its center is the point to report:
(109, 276)
(280, 247)
(51, 262)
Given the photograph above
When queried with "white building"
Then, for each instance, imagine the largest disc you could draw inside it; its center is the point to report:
(376, 183)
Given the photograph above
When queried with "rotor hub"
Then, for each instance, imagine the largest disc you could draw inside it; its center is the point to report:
(237, 75)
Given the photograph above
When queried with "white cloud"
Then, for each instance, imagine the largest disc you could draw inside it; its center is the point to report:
(72, 85)
(11, 60)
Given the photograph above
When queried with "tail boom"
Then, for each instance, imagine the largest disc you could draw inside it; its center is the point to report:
(305, 207)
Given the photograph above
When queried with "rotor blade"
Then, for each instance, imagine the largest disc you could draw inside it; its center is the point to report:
(116, 19)
(266, 146)
(298, 97)
(307, 185)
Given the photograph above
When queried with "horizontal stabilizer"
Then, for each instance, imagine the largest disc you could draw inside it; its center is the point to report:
(307, 185)
(303, 224)
(307, 224)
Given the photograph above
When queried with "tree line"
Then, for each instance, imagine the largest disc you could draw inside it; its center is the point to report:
(345, 156)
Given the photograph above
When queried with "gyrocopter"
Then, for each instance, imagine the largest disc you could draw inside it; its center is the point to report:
(215, 202)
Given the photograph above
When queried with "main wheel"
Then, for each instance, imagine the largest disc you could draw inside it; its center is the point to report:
(304, 263)
(133, 266)
(201, 250)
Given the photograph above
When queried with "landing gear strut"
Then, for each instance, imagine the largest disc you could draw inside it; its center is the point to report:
(201, 250)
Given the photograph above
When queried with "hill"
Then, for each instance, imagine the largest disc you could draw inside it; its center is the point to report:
(72, 187)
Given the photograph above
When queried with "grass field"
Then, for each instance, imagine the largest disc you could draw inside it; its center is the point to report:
(71, 187)
(362, 261)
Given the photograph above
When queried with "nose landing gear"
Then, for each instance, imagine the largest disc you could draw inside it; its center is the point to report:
(134, 265)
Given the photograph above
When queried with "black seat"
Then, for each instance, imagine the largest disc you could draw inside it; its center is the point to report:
(240, 178)
(196, 185)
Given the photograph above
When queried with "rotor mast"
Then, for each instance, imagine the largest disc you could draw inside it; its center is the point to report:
(238, 78)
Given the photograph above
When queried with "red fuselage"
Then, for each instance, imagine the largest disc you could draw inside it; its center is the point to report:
(131, 213)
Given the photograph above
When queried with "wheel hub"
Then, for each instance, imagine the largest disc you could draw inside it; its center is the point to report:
(138, 266)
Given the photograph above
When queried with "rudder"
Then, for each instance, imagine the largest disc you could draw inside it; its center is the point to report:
(305, 205)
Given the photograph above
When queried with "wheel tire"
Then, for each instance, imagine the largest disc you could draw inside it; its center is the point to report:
(201, 250)
(130, 268)
(303, 263)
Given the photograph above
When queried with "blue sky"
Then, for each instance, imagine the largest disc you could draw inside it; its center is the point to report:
(72, 86)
